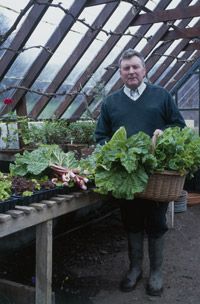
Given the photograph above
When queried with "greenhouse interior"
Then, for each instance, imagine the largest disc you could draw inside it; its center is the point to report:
(99, 151)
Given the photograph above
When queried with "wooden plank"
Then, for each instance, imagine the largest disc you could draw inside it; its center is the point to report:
(98, 2)
(66, 196)
(9, 226)
(18, 293)
(169, 15)
(15, 213)
(43, 263)
(39, 206)
(25, 209)
(48, 203)
(21, 37)
(58, 199)
(77, 194)
(78, 52)
(192, 46)
(178, 33)
(53, 43)
(5, 218)
(193, 199)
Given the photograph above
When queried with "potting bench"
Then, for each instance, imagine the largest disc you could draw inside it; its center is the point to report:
(41, 215)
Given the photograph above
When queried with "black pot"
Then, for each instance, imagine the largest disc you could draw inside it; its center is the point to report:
(38, 196)
(8, 204)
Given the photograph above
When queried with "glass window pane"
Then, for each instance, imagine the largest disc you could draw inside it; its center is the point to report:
(191, 119)
(188, 94)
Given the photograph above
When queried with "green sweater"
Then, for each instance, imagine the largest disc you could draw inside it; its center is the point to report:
(154, 109)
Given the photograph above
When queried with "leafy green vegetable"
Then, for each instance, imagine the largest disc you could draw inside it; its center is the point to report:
(178, 150)
(5, 186)
(36, 162)
(123, 164)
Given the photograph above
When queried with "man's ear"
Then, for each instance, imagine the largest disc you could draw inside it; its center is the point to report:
(145, 73)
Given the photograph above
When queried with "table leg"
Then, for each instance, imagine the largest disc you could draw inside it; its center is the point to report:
(44, 263)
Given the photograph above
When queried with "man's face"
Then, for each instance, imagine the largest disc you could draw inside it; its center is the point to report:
(132, 72)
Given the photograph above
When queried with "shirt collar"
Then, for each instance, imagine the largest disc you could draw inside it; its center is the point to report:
(139, 89)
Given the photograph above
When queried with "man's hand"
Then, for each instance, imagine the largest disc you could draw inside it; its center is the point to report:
(157, 132)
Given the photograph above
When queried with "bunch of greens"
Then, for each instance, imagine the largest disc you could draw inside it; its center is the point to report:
(5, 186)
(81, 131)
(178, 150)
(36, 162)
(122, 166)
(20, 185)
(35, 133)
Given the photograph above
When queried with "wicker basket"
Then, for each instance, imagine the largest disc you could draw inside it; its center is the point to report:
(163, 186)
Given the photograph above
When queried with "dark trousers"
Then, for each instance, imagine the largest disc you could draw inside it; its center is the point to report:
(140, 215)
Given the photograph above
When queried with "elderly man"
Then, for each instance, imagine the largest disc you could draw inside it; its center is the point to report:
(140, 106)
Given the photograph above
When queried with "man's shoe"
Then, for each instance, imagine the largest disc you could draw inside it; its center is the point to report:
(130, 282)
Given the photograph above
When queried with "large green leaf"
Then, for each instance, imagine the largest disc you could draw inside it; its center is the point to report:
(37, 161)
(120, 183)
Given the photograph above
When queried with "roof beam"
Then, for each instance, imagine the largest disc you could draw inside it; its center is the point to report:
(153, 59)
(185, 77)
(183, 33)
(192, 46)
(21, 37)
(97, 2)
(94, 64)
(138, 4)
(168, 60)
(170, 76)
(169, 15)
(110, 72)
(159, 34)
(42, 59)
(75, 56)
(182, 72)
(155, 55)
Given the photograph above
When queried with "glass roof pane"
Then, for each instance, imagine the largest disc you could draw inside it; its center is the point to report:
(163, 57)
(173, 4)
(8, 15)
(100, 40)
(40, 36)
(188, 94)
(66, 48)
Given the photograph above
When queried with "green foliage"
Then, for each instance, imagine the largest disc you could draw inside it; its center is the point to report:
(46, 132)
(57, 132)
(123, 164)
(81, 131)
(36, 162)
(178, 150)
(89, 164)
(27, 193)
(5, 186)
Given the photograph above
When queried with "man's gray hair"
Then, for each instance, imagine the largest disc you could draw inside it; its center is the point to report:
(129, 53)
